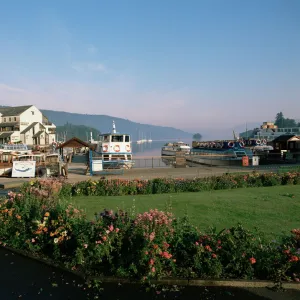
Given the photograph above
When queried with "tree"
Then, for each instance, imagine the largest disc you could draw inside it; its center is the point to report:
(197, 136)
(279, 120)
(283, 122)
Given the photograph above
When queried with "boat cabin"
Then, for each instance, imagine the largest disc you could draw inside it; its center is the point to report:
(16, 148)
(114, 147)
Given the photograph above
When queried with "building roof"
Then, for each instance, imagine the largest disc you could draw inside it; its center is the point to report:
(284, 138)
(4, 135)
(13, 111)
(29, 127)
(8, 124)
(39, 133)
(74, 143)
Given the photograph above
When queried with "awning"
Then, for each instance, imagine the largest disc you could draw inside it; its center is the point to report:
(74, 143)
(4, 135)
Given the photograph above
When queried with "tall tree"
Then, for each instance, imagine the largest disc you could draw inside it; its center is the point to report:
(283, 122)
(279, 120)
(197, 136)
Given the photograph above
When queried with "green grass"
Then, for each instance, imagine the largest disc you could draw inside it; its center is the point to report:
(274, 210)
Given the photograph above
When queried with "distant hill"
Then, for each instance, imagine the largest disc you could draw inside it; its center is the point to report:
(247, 134)
(82, 132)
(103, 123)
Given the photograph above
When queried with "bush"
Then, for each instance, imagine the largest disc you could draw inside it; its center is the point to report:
(120, 187)
(150, 245)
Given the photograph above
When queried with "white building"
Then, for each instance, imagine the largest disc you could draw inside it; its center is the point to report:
(25, 124)
(269, 131)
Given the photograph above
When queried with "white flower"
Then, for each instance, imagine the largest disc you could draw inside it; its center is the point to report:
(55, 240)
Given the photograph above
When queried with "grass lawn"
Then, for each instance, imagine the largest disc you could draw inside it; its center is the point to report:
(274, 210)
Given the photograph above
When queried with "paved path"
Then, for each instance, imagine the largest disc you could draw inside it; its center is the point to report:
(23, 278)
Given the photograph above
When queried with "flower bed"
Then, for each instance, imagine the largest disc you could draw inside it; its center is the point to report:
(120, 187)
(146, 246)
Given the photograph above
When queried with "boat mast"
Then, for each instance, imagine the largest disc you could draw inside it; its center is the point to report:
(114, 127)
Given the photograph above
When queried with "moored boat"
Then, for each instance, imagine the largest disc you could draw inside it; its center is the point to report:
(220, 153)
(114, 149)
(170, 149)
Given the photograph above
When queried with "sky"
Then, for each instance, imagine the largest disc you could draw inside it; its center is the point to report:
(197, 65)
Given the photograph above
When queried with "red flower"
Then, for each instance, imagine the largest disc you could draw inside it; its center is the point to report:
(208, 248)
(214, 255)
(286, 251)
(252, 260)
(151, 262)
(293, 258)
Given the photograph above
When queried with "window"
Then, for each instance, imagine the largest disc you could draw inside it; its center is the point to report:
(127, 138)
(106, 138)
(9, 119)
(4, 119)
(15, 119)
(117, 138)
(32, 112)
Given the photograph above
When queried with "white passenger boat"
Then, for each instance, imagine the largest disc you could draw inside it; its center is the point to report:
(170, 149)
(14, 149)
(114, 149)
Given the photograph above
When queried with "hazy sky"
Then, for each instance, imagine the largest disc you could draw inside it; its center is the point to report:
(193, 64)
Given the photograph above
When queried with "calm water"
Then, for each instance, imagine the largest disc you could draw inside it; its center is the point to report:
(151, 149)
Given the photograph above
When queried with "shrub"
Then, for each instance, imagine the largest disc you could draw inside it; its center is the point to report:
(150, 245)
(119, 187)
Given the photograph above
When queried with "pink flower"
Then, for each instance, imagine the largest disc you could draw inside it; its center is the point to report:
(33, 240)
(117, 230)
(151, 262)
(153, 270)
(152, 236)
(111, 228)
(197, 244)
(85, 246)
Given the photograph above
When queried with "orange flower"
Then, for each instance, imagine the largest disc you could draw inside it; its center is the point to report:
(208, 248)
(252, 260)
(47, 214)
(293, 258)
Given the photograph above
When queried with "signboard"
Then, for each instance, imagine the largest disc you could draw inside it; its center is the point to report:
(23, 169)
(255, 161)
(245, 161)
(97, 165)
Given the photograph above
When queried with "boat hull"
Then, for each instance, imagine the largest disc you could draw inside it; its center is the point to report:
(173, 152)
(215, 161)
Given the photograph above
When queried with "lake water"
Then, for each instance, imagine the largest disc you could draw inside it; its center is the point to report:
(151, 149)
